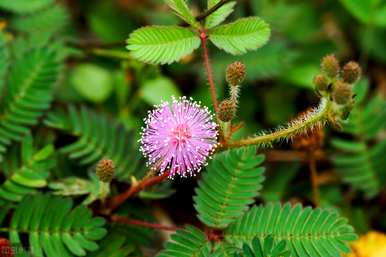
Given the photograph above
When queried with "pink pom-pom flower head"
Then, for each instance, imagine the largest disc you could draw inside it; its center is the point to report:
(179, 136)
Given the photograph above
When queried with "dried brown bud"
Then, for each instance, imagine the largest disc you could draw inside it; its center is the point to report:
(105, 170)
(227, 110)
(351, 72)
(321, 82)
(235, 73)
(330, 65)
(342, 93)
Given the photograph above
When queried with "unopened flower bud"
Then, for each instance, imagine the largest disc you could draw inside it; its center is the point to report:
(351, 72)
(235, 73)
(227, 110)
(330, 65)
(5, 248)
(105, 170)
(321, 83)
(342, 93)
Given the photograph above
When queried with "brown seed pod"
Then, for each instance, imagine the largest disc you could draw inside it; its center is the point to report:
(227, 110)
(235, 73)
(105, 170)
(351, 72)
(321, 83)
(342, 93)
(330, 65)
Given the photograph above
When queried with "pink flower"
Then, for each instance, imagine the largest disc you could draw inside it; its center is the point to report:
(179, 136)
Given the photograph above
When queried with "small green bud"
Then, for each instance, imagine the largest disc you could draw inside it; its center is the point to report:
(321, 83)
(342, 93)
(227, 110)
(351, 72)
(330, 65)
(235, 73)
(105, 170)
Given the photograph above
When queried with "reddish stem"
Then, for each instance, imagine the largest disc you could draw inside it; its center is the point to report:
(204, 40)
(117, 200)
(127, 221)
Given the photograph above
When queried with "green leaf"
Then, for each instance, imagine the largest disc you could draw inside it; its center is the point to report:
(220, 14)
(22, 6)
(99, 137)
(29, 94)
(240, 36)
(92, 82)
(162, 44)
(372, 12)
(182, 10)
(308, 232)
(266, 247)
(32, 170)
(187, 242)
(54, 228)
(159, 89)
(44, 22)
(231, 183)
(360, 160)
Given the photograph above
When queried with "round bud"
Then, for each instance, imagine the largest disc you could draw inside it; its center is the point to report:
(105, 170)
(6, 248)
(351, 72)
(342, 93)
(321, 82)
(235, 73)
(227, 110)
(330, 65)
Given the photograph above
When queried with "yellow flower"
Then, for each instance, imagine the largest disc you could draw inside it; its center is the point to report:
(373, 244)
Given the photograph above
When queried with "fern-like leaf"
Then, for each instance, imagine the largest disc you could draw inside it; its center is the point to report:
(29, 94)
(231, 183)
(54, 228)
(44, 22)
(22, 6)
(219, 15)
(187, 242)
(162, 44)
(265, 248)
(240, 36)
(181, 8)
(30, 175)
(98, 138)
(316, 233)
(359, 161)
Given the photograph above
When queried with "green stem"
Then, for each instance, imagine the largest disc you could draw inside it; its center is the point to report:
(118, 54)
(298, 126)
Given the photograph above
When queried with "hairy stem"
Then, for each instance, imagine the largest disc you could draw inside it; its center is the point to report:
(141, 223)
(211, 10)
(204, 39)
(117, 200)
(298, 126)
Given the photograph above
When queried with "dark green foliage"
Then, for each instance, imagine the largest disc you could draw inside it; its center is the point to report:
(189, 241)
(359, 161)
(98, 138)
(26, 173)
(29, 94)
(55, 228)
(316, 233)
(230, 184)
(265, 248)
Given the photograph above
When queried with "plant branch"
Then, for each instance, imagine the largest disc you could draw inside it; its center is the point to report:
(314, 179)
(208, 67)
(214, 8)
(299, 126)
(141, 223)
(117, 200)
